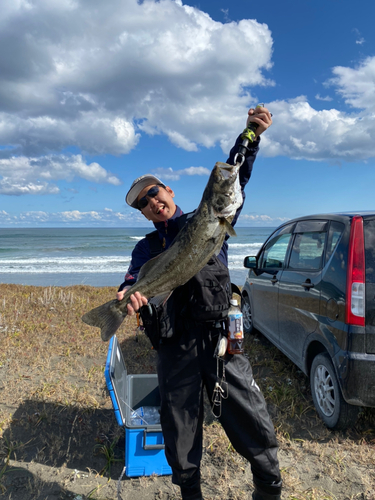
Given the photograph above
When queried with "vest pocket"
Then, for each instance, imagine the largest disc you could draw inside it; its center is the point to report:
(210, 292)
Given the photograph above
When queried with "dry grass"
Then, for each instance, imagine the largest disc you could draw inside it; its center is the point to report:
(58, 430)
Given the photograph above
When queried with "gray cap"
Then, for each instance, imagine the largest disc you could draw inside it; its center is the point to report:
(137, 186)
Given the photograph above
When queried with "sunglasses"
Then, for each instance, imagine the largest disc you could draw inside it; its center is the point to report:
(151, 193)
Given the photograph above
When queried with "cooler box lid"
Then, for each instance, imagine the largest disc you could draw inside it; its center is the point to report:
(116, 379)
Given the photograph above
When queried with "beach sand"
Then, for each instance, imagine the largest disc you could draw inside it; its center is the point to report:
(59, 434)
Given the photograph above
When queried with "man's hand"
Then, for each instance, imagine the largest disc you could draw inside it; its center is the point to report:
(262, 117)
(137, 301)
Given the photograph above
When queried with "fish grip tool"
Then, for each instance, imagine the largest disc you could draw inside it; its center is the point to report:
(248, 136)
(221, 390)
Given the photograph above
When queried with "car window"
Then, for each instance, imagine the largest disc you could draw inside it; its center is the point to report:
(307, 251)
(335, 231)
(274, 253)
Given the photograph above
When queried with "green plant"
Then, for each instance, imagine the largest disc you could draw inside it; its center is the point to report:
(9, 449)
(108, 450)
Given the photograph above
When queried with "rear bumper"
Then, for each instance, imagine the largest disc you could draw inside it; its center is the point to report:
(357, 376)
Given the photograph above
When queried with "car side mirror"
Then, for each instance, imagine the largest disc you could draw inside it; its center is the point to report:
(250, 262)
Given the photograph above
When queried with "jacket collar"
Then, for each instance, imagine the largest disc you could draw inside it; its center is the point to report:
(171, 224)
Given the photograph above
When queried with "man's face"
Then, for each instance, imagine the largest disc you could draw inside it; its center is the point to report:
(160, 207)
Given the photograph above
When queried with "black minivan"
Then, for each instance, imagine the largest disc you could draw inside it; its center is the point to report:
(311, 292)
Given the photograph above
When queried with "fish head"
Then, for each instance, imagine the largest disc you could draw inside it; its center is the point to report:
(223, 190)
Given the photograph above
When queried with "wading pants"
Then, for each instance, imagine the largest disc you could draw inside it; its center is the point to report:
(184, 368)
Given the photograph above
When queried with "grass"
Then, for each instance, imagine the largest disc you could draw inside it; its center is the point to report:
(54, 400)
(7, 450)
(109, 453)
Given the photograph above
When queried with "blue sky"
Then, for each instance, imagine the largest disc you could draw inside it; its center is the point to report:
(93, 94)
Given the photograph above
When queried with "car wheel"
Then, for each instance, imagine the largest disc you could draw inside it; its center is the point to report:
(246, 313)
(326, 393)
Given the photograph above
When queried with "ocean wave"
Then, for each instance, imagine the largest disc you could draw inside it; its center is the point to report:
(245, 245)
(61, 265)
(74, 265)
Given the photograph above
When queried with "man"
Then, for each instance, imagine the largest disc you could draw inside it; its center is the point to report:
(186, 348)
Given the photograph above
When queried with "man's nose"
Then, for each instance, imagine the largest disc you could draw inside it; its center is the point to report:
(152, 201)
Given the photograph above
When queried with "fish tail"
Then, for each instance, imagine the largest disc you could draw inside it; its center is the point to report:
(106, 317)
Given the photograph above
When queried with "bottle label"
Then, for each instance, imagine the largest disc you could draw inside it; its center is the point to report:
(235, 328)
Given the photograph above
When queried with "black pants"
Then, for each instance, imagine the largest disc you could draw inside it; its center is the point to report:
(184, 368)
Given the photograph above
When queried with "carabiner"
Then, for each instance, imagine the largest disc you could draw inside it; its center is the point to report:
(239, 159)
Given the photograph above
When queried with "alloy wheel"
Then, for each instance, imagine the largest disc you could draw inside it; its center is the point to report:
(324, 390)
(246, 313)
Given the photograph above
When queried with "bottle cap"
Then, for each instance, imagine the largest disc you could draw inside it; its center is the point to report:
(234, 302)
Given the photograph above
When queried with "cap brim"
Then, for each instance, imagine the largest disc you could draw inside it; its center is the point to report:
(138, 185)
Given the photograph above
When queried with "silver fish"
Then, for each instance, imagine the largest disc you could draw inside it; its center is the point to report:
(199, 239)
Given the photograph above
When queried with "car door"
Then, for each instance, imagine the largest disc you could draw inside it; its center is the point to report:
(299, 287)
(264, 283)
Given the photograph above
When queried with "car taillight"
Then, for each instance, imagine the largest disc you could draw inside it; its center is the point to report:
(355, 282)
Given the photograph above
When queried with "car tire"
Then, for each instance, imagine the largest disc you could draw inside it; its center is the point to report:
(246, 314)
(331, 407)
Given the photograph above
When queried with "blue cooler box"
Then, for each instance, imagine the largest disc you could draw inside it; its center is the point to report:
(144, 444)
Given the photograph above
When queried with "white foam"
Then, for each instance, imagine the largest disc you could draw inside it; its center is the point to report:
(60, 265)
(245, 245)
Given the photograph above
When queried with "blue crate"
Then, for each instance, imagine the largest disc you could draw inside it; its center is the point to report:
(144, 444)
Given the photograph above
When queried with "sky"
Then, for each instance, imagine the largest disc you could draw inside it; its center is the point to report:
(95, 93)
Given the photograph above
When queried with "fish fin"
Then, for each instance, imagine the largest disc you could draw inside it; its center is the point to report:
(106, 317)
(228, 227)
(147, 266)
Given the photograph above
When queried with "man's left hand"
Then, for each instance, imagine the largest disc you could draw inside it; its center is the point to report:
(262, 117)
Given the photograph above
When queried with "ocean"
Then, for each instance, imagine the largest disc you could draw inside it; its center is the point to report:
(93, 256)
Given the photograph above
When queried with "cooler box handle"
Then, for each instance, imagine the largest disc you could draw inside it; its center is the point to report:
(151, 446)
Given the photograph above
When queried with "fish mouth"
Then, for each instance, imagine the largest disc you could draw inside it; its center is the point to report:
(228, 171)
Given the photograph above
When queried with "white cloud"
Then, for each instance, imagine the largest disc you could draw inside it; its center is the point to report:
(107, 217)
(157, 67)
(360, 40)
(299, 131)
(164, 65)
(357, 85)
(262, 218)
(320, 98)
(71, 218)
(32, 216)
(4, 216)
(175, 175)
(22, 175)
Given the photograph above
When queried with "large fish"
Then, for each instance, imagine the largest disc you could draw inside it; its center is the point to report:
(199, 239)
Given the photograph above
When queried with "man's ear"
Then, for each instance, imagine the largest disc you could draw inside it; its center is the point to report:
(170, 191)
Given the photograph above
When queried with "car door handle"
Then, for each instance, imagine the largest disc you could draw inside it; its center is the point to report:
(307, 284)
(274, 280)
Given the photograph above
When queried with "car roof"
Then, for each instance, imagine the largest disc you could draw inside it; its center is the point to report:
(336, 216)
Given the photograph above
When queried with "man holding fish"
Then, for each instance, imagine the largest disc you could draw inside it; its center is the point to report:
(186, 361)
(182, 267)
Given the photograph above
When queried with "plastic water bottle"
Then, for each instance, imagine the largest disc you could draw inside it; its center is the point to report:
(145, 415)
(235, 328)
